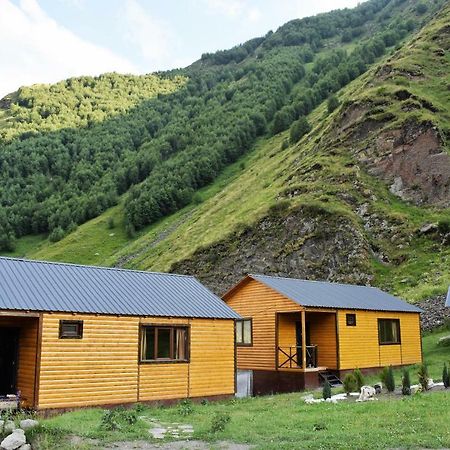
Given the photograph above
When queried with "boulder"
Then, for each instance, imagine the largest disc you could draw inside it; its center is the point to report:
(14, 441)
(27, 424)
(7, 427)
(25, 447)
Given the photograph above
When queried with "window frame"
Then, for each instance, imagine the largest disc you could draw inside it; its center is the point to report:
(395, 320)
(347, 316)
(64, 335)
(241, 321)
(173, 328)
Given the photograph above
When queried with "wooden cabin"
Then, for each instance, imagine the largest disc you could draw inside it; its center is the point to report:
(73, 336)
(294, 333)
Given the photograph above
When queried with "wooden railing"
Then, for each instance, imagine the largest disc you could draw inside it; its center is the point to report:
(293, 357)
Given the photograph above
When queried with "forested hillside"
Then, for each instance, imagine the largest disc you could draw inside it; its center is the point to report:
(320, 151)
(68, 151)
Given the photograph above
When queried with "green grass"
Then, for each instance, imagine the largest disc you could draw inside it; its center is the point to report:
(285, 421)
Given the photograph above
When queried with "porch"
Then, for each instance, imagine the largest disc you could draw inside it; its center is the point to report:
(306, 341)
(19, 335)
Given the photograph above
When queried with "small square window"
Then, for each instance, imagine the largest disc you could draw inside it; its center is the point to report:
(351, 320)
(70, 329)
(244, 332)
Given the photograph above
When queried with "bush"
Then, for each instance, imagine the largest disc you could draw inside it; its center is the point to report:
(219, 422)
(421, 8)
(326, 391)
(389, 379)
(56, 235)
(350, 383)
(185, 407)
(445, 376)
(299, 129)
(285, 144)
(332, 103)
(111, 223)
(359, 377)
(406, 383)
(118, 419)
(423, 376)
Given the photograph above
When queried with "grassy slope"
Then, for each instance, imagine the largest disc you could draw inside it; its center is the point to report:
(246, 191)
(285, 421)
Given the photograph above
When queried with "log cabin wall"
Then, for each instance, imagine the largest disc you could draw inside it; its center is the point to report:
(104, 368)
(359, 345)
(259, 302)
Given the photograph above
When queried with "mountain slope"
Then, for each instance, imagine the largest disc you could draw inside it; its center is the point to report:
(70, 150)
(347, 202)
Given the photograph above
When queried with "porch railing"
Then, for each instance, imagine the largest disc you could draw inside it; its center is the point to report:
(292, 357)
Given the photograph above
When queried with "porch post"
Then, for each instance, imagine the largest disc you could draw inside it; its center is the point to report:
(303, 313)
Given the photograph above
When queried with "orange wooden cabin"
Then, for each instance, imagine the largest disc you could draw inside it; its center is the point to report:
(73, 336)
(296, 333)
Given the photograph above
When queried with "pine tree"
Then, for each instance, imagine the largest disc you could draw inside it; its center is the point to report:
(445, 376)
(390, 380)
(360, 382)
(326, 392)
(406, 383)
(423, 377)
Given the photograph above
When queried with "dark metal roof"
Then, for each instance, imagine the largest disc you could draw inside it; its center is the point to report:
(323, 294)
(47, 286)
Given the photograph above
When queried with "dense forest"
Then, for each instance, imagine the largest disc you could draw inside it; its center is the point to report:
(68, 151)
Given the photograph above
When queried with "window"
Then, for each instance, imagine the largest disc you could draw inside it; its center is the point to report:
(351, 320)
(70, 329)
(244, 332)
(389, 331)
(164, 343)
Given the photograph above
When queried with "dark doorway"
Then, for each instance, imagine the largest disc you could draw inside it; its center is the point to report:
(9, 346)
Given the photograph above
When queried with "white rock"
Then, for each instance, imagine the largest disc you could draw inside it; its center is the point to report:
(15, 440)
(25, 447)
(8, 427)
(367, 393)
(27, 424)
(158, 433)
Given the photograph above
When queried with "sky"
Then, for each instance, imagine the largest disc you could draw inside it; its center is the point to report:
(44, 41)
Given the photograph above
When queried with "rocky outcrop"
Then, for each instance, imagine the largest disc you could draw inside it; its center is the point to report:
(435, 313)
(305, 242)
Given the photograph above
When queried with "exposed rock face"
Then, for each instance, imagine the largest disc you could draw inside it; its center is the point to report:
(304, 243)
(435, 313)
(412, 159)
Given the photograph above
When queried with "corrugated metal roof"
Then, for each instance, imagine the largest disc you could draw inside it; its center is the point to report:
(335, 295)
(47, 286)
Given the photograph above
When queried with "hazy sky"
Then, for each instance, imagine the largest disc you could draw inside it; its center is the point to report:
(43, 41)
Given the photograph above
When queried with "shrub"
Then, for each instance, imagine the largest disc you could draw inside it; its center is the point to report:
(359, 377)
(421, 8)
(445, 376)
(299, 129)
(423, 376)
(350, 383)
(285, 144)
(389, 379)
(406, 383)
(326, 391)
(332, 103)
(219, 422)
(118, 418)
(111, 223)
(185, 407)
(56, 235)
